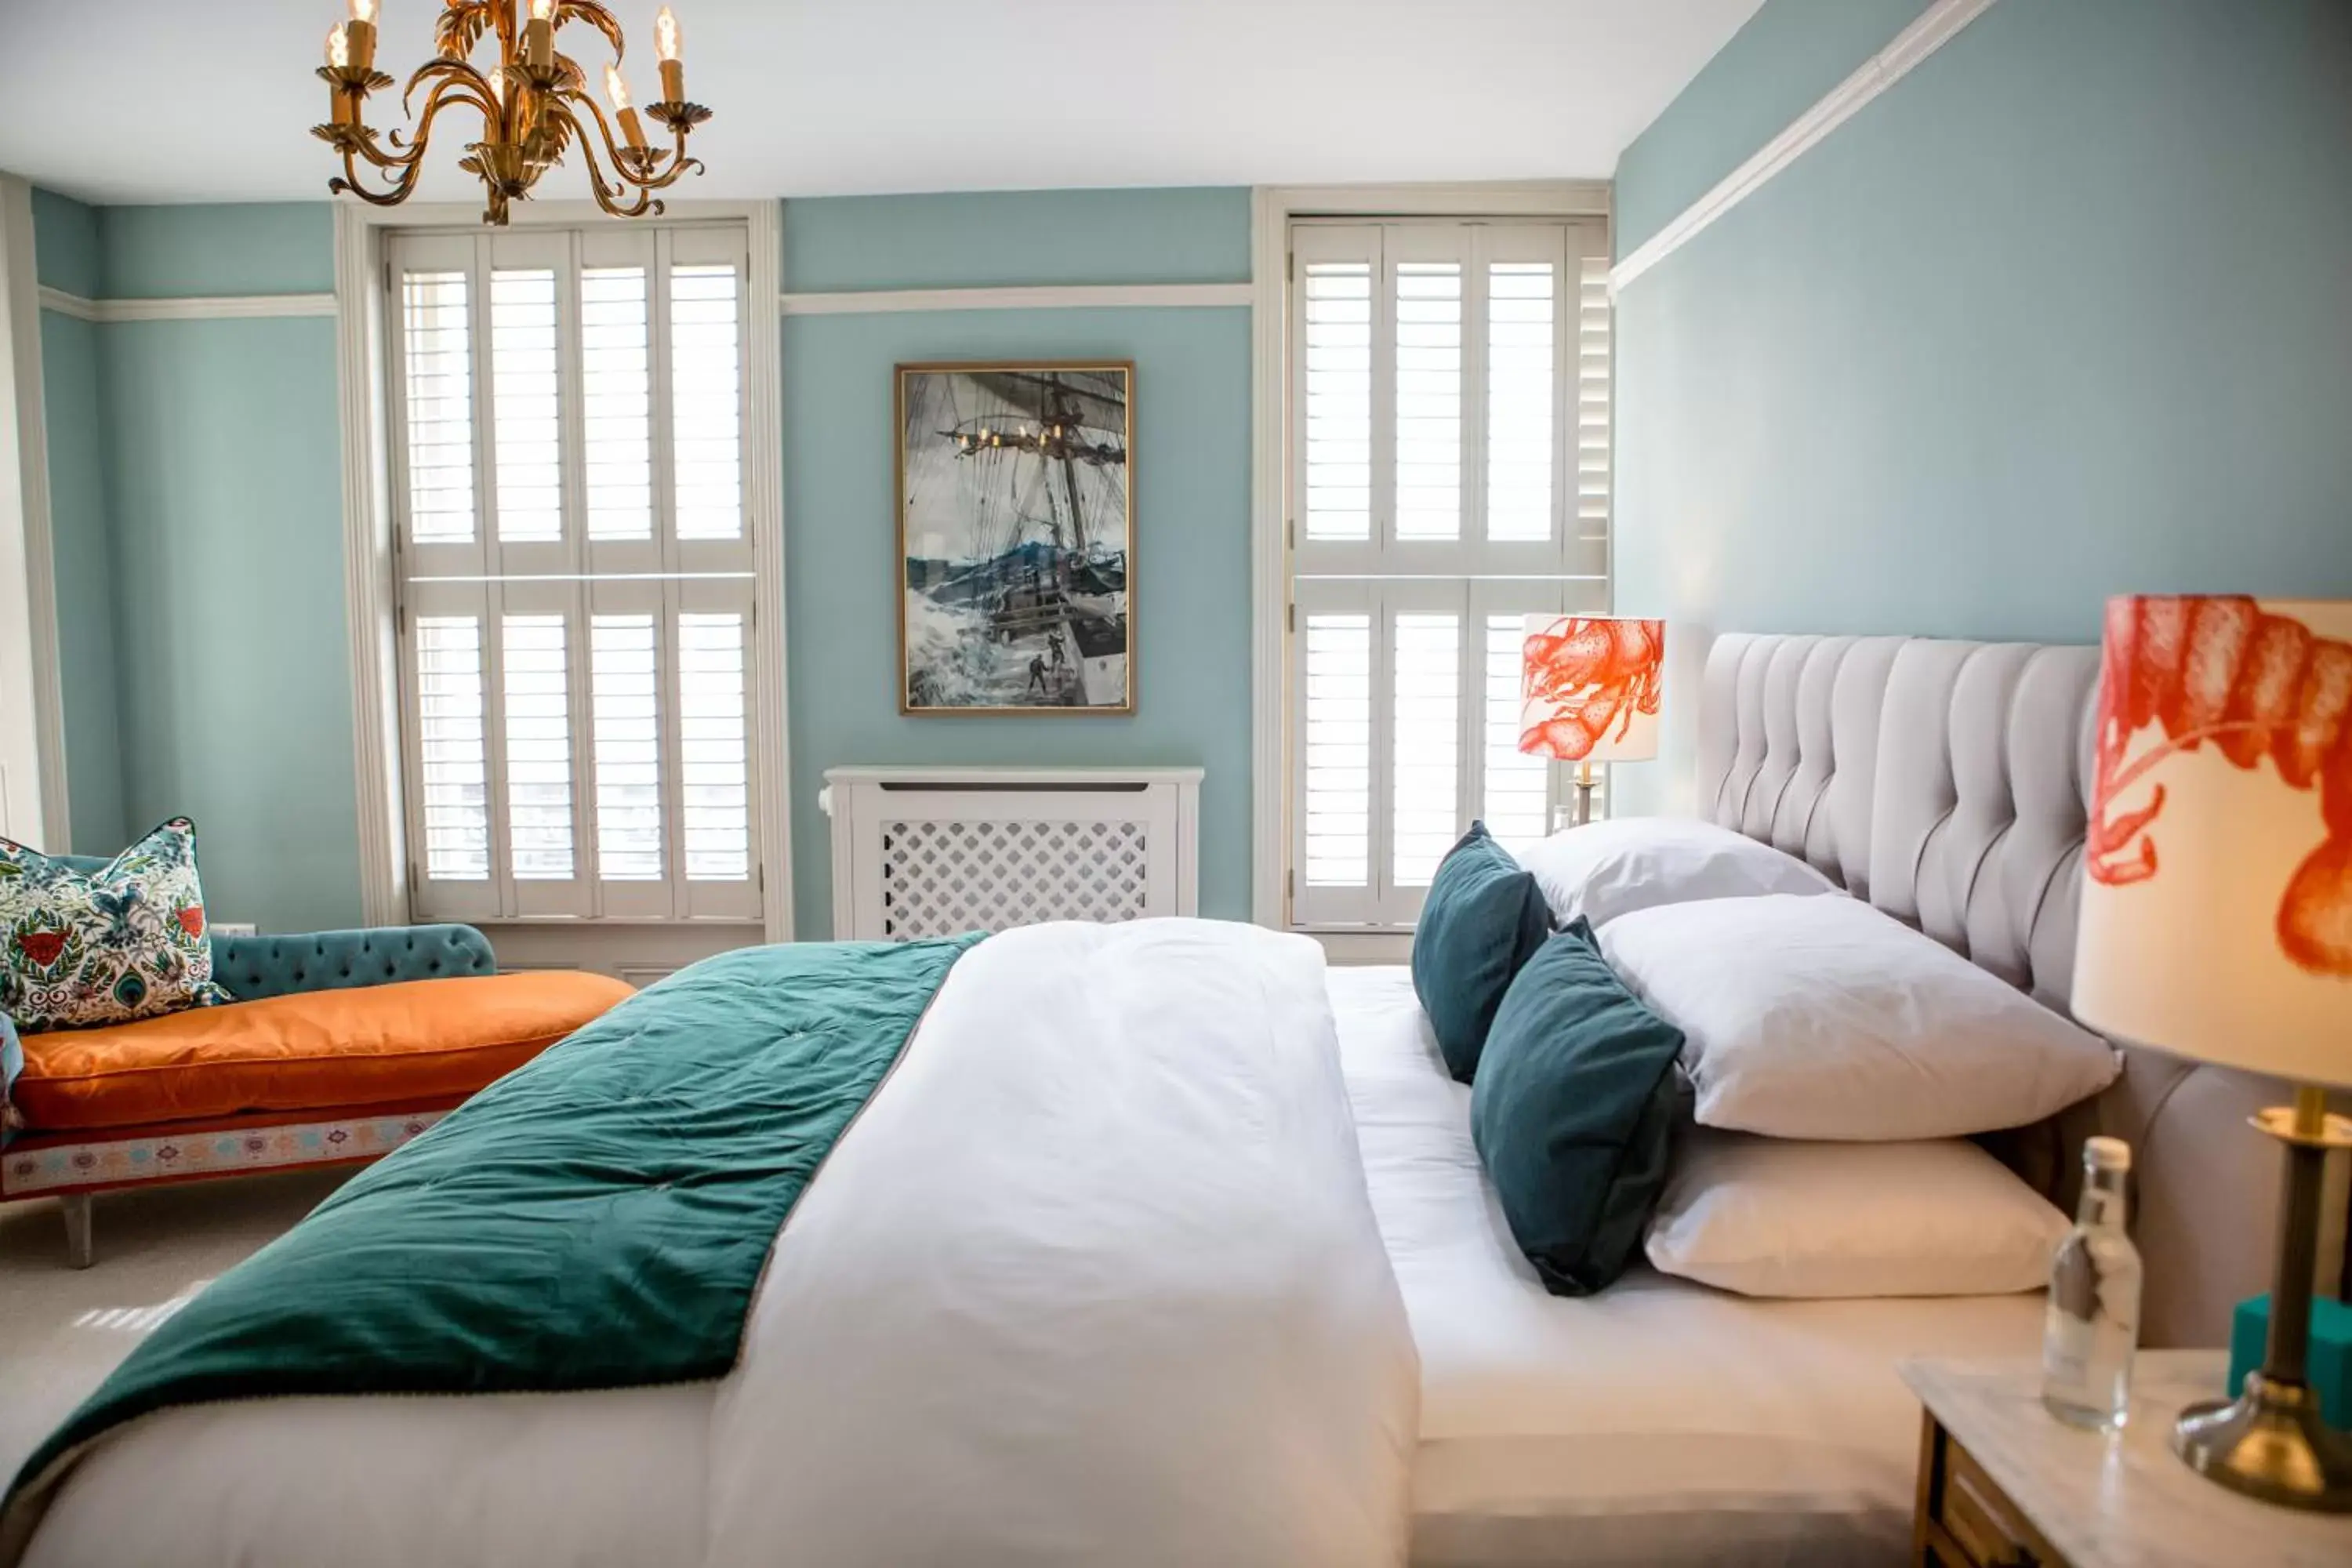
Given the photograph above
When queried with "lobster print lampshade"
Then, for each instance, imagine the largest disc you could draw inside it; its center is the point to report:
(2217, 902)
(2217, 924)
(1590, 688)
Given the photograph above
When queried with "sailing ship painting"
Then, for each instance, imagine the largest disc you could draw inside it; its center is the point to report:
(1016, 531)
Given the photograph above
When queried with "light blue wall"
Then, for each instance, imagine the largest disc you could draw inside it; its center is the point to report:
(226, 493)
(1198, 235)
(67, 251)
(256, 248)
(2062, 315)
(198, 490)
(1192, 497)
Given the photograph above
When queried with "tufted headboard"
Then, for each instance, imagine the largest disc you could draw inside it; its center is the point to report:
(1946, 783)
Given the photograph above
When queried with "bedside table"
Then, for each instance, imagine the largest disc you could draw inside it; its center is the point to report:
(2005, 1484)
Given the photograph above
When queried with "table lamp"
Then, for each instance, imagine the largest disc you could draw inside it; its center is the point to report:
(2217, 925)
(1589, 693)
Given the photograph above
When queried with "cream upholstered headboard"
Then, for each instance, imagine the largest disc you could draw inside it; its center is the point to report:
(1944, 782)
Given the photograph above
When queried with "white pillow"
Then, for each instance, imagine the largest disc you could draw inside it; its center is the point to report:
(1769, 1217)
(1828, 1018)
(1605, 870)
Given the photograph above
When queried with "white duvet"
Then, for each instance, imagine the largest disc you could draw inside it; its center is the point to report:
(1093, 1280)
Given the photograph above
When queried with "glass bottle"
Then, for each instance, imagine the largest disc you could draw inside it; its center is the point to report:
(2092, 1326)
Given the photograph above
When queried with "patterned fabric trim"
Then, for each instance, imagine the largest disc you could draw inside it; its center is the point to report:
(115, 1162)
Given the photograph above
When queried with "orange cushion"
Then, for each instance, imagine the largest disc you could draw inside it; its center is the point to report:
(367, 1045)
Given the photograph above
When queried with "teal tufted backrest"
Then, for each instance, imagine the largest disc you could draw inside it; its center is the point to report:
(253, 967)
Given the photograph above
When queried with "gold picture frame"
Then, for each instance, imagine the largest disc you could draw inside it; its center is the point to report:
(1016, 505)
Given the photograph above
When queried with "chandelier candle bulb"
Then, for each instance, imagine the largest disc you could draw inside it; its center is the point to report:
(666, 40)
(359, 35)
(633, 130)
(539, 37)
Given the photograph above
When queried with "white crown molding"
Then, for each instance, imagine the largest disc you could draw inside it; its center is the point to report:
(1935, 26)
(215, 307)
(1047, 297)
(1523, 198)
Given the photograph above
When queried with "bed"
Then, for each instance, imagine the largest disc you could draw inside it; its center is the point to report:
(1659, 1422)
(1176, 1310)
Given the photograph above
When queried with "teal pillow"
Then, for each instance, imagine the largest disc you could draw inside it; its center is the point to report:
(1574, 1114)
(1483, 919)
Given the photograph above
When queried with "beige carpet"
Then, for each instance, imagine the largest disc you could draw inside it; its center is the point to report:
(62, 1329)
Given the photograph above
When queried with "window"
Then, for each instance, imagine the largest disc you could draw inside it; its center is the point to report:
(1449, 476)
(575, 573)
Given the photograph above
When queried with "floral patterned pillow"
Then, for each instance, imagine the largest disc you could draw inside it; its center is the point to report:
(79, 949)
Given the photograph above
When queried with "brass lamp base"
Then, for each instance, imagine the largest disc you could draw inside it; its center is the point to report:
(2269, 1444)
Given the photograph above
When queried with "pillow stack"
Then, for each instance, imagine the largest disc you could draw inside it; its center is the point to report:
(1574, 1097)
(1837, 1062)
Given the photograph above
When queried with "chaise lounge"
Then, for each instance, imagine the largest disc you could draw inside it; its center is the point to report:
(341, 1045)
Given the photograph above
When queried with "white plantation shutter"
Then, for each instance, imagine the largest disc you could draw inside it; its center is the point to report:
(1595, 399)
(1522, 454)
(1336, 398)
(626, 697)
(706, 400)
(437, 368)
(527, 417)
(1426, 319)
(575, 574)
(1448, 477)
(616, 371)
(714, 756)
(1336, 739)
(455, 775)
(1424, 742)
(1516, 788)
(538, 681)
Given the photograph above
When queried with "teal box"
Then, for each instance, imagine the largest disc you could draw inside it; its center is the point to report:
(2329, 1363)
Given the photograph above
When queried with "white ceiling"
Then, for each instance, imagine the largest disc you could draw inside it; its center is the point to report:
(163, 101)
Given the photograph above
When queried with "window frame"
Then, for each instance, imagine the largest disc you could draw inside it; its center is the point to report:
(1569, 572)
(635, 946)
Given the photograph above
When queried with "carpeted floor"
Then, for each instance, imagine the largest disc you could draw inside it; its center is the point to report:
(62, 1329)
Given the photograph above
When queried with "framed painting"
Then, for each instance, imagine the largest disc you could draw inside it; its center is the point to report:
(1016, 538)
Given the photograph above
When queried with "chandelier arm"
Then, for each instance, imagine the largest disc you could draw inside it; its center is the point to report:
(606, 193)
(350, 181)
(451, 75)
(452, 88)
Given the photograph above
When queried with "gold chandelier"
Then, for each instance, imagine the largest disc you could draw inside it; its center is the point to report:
(534, 104)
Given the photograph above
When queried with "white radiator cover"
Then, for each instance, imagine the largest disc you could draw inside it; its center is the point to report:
(934, 851)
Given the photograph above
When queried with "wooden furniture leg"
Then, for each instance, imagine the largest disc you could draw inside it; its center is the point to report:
(78, 1251)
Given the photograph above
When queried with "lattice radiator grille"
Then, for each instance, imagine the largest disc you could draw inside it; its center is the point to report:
(942, 877)
(930, 852)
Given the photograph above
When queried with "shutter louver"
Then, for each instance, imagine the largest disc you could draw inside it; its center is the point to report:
(437, 361)
(1428, 400)
(453, 756)
(714, 761)
(1338, 313)
(1517, 786)
(538, 748)
(706, 401)
(1520, 372)
(1337, 749)
(526, 417)
(1594, 402)
(616, 401)
(1425, 743)
(624, 703)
